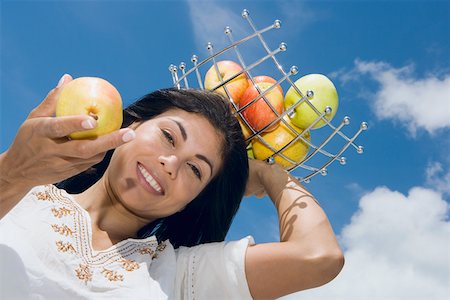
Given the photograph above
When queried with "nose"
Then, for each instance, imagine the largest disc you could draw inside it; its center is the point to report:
(170, 164)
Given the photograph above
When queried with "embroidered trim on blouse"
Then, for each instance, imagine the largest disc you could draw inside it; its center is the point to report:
(78, 241)
(84, 273)
(112, 275)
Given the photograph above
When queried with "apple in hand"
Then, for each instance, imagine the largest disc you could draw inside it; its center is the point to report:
(259, 114)
(279, 138)
(227, 70)
(94, 97)
(323, 94)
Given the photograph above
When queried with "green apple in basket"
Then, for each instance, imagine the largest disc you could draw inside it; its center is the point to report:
(320, 92)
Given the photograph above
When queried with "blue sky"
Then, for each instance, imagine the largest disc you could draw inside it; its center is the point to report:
(390, 62)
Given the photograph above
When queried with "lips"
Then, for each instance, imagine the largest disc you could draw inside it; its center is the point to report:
(148, 180)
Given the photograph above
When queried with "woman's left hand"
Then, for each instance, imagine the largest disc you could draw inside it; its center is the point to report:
(254, 184)
(260, 175)
(265, 178)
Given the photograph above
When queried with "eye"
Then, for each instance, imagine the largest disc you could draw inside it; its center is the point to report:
(196, 171)
(168, 137)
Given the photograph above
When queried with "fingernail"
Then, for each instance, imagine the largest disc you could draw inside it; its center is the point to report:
(128, 136)
(61, 81)
(88, 124)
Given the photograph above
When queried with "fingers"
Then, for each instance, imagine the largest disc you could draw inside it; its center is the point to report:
(48, 105)
(63, 126)
(60, 127)
(87, 149)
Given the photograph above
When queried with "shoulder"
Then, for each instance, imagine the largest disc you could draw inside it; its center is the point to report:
(214, 270)
(39, 199)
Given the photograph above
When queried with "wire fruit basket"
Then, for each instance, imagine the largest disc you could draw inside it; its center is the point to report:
(316, 156)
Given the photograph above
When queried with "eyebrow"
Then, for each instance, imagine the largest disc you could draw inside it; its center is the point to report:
(184, 135)
(183, 131)
(205, 159)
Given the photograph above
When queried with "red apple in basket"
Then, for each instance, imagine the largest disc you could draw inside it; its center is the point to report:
(227, 69)
(259, 114)
(264, 78)
(95, 97)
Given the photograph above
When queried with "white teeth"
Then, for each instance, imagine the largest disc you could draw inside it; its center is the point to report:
(149, 178)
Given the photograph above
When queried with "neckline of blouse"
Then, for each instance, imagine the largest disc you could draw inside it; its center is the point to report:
(88, 223)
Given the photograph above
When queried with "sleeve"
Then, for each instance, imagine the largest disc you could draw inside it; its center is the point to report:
(213, 271)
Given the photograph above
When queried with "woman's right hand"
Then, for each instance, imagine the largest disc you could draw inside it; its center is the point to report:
(42, 154)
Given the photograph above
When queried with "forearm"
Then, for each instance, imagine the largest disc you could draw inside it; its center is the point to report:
(11, 191)
(308, 254)
(302, 221)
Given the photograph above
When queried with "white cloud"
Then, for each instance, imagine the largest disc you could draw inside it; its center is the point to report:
(298, 15)
(437, 177)
(396, 247)
(209, 19)
(417, 103)
(356, 189)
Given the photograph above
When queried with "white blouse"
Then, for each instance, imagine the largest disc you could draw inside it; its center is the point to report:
(46, 253)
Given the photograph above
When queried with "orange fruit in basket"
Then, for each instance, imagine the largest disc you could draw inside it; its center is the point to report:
(279, 138)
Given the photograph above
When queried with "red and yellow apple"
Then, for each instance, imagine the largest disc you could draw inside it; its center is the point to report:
(279, 138)
(227, 69)
(94, 97)
(323, 94)
(259, 114)
(264, 78)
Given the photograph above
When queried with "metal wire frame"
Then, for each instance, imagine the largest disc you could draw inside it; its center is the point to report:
(315, 149)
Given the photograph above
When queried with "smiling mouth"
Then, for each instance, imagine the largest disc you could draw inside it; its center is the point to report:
(150, 180)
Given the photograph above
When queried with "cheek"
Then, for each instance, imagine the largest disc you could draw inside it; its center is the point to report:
(185, 190)
(122, 168)
(120, 160)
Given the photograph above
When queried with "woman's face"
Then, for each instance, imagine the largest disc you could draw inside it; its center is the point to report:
(171, 160)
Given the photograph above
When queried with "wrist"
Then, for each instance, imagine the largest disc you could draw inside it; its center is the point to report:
(8, 181)
(273, 174)
(274, 178)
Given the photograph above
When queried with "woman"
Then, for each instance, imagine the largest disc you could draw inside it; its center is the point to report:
(142, 220)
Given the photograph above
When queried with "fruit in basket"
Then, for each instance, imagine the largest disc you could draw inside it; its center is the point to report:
(323, 94)
(250, 152)
(227, 69)
(94, 97)
(259, 114)
(263, 78)
(279, 138)
(245, 130)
